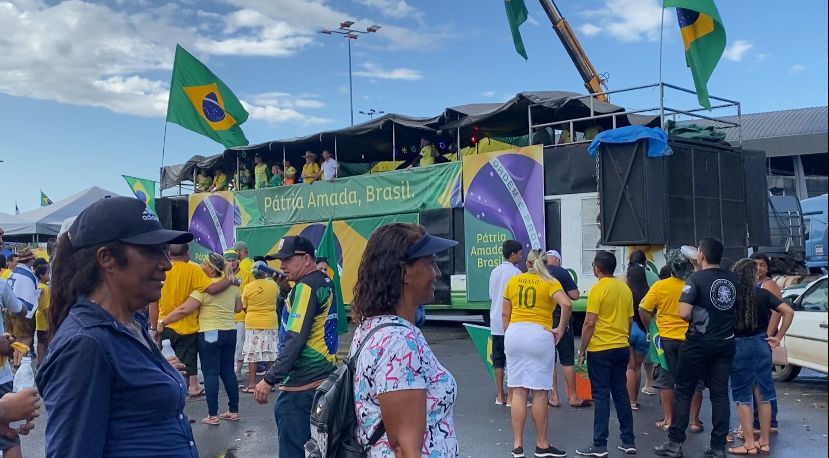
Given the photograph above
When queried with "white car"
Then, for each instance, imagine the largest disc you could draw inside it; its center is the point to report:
(807, 338)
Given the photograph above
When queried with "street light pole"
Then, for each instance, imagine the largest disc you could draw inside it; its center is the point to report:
(371, 112)
(350, 34)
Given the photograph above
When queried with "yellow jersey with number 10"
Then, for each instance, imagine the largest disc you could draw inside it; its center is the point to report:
(531, 297)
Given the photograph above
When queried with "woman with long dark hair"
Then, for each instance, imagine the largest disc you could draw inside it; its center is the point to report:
(637, 280)
(751, 368)
(399, 384)
(216, 337)
(107, 388)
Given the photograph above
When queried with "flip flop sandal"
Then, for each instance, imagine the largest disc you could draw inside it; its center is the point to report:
(211, 421)
(553, 404)
(661, 424)
(249, 390)
(230, 416)
(581, 403)
(197, 394)
(648, 391)
(764, 448)
(634, 406)
(742, 450)
(696, 429)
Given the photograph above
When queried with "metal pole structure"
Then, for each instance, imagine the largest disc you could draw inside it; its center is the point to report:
(335, 147)
(350, 84)
(661, 84)
(393, 142)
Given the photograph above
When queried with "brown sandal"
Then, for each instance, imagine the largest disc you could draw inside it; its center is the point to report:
(764, 448)
(662, 424)
(230, 416)
(250, 390)
(742, 450)
(211, 420)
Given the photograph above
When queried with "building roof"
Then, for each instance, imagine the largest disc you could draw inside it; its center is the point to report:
(780, 133)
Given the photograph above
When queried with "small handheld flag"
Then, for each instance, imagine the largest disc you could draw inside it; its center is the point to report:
(143, 189)
(44, 200)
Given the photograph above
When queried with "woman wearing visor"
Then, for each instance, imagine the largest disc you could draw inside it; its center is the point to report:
(107, 388)
(404, 397)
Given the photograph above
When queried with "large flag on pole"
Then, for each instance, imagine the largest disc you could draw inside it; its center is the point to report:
(201, 102)
(328, 250)
(703, 35)
(482, 340)
(516, 15)
(143, 190)
(44, 200)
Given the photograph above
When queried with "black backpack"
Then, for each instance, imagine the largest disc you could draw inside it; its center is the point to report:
(333, 414)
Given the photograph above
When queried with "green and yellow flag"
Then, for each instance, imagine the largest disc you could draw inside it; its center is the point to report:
(44, 200)
(656, 353)
(516, 15)
(201, 102)
(143, 189)
(482, 340)
(704, 37)
(328, 250)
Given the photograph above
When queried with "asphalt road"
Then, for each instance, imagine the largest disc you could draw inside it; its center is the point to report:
(484, 429)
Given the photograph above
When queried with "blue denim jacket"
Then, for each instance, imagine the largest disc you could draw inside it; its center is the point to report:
(107, 394)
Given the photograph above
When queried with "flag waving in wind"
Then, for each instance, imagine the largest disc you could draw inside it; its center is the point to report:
(201, 102)
(143, 189)
(516, 15)
(328, 250)
(703, 35)
(44, 200)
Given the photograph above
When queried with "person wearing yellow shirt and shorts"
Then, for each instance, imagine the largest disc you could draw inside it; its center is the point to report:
(259, 301)
(605, 344)
(530, 346)
(311, 169)
(241, 266)
(42, 313)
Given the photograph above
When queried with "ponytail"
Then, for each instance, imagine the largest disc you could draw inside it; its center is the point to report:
(536, 263)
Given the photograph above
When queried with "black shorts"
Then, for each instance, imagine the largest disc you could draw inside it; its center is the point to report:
(186, 348)
(5, 442)
(499, 358)
(664, 379)
(566, 348)
(41, 336)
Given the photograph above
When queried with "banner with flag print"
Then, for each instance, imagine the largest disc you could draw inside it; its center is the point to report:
(44, 199)
(482, 340)
(328, 249)
(201, 102)
(703, 35)
(655, 351)
(143, 189)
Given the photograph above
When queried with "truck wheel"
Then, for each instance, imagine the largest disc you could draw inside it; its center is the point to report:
(785, 373)
(485, 316)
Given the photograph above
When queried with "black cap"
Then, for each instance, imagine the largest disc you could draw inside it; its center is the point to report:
(427, 246)
(122, 219)
(292, 245)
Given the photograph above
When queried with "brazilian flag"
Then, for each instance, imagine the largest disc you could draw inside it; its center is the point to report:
(328, 250)
(704, 37)
(44, 199)
(655, 350)
(201, 102)
(482, 340)
(516, 15)
(143, 189)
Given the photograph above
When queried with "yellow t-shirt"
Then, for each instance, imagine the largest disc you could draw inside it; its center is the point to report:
(42, 313)
(203, 183)
(309, 171)
(244, 276)
(612, 301)
(532, 299)
(259, 301)
(428, 154)
(182, 279)
(220, 182)
(6, 274)
(663, 299)
(260, 176)
(216, 312)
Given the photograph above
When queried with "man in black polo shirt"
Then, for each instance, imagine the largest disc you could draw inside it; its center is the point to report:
(565, 347)
(707, 302)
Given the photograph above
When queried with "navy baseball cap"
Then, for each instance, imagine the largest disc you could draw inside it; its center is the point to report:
(292, 245)
(121, 219)
(427, 246)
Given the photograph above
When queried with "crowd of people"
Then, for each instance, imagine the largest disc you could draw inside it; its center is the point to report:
(715, 323)
(121, 289)
(265, 176)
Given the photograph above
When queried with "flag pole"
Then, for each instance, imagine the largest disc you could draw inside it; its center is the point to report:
(661, 83)
(163, 149)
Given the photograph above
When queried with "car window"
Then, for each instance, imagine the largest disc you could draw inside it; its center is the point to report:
(815, 300)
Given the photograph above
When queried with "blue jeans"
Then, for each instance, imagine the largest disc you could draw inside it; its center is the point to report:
(293, 421)
(607, 372)
(217, 361)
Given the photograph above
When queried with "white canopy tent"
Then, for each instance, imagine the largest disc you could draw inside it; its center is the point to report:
(44, 223)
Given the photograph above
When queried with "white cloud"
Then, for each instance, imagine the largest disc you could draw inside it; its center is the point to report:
(589, 30)
(488, 94)
(797, 68)
(372, 70)
(625, 20)
(762, 56)
(286, 100)
(531, 20)
(737, 50)
(273, 114)
(396, 9)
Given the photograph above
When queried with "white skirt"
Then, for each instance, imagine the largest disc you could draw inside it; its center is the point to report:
(260, 346)
(531, 356)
